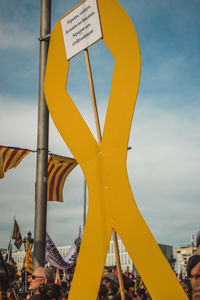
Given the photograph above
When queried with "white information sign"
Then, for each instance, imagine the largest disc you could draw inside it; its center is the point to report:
(81, 28)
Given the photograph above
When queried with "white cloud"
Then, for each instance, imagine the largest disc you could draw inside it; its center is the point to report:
(163, 164)
(163, 168)
(12, 35)
(19, 119)
(17, 189)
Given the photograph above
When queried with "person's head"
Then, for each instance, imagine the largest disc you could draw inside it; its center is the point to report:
(148, 296)
(195, 277)
(65, 287)
(4, 279)
(193, 269)
(128, 283)
(198, 243)
(103, 292)
(49, 291)
(118, 296)
(39, 276)
(186, 285)
(110, 280)
(140, 294)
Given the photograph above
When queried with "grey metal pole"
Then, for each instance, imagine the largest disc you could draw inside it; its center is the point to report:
(42, 142)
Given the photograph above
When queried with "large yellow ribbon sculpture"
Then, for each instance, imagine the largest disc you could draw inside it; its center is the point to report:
(111, 203)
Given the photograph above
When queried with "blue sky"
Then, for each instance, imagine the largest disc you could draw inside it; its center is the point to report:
(164, 163)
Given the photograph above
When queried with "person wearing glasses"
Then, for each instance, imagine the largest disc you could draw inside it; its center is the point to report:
(193, 270)
(41, 275)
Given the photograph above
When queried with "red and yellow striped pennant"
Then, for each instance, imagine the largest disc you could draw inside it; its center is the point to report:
(28, 261)
(58, 169)
(58, 280)
(10, 157)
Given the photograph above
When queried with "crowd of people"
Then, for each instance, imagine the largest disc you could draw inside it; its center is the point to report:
(41, 284)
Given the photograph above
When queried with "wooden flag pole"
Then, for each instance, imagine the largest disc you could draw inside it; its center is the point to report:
(14, 293)
(25, 280)
(121, 282)
(87, 59)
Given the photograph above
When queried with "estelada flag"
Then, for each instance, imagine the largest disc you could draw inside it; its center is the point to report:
(28, 261)
(10, 157)
(17, 235)
(58, 169)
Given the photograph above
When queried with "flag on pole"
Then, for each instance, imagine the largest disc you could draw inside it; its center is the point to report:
(179, 274)
(18, 273)
(58, 169)
(28, 261)
(141, 284)
(54, 258)
(17, 235)
(58, 280)
(10, 157)
(8, 258)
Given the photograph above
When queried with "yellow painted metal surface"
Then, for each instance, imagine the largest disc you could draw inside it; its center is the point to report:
(111, 203)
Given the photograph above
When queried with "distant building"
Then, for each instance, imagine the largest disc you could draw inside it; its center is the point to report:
(183, 253)
(18, 256)
(167, 250)
(126, 262)
(3, 250)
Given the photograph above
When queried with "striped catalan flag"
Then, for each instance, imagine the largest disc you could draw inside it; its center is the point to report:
(10, 157)
(28, 261)
(58, 169)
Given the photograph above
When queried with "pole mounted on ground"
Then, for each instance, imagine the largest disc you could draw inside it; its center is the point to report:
(42, 142)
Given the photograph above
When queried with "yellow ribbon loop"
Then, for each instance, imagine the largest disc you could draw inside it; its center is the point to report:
(111, 203)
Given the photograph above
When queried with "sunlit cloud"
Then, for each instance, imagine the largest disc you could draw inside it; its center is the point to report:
(163, 164)
(14, 36)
